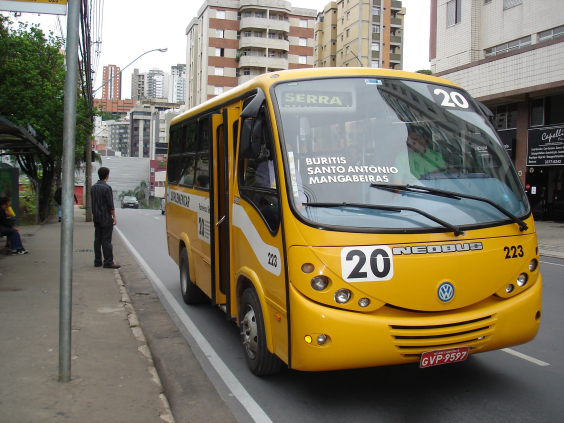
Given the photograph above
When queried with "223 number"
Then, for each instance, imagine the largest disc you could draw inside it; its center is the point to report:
(513, 251)
(273, 259)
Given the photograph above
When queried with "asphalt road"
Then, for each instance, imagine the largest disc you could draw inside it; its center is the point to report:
(493, 386)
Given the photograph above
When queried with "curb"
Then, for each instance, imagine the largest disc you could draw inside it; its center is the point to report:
(166, 414)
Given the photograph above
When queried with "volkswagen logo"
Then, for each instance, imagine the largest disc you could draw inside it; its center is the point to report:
(446, 292)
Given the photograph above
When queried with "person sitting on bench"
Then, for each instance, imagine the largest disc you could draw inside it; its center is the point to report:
(9, 229)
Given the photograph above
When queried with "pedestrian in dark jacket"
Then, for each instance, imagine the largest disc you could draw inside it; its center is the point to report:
(104, 217)
(9, 229)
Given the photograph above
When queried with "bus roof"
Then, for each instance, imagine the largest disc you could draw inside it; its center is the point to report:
(265, 80)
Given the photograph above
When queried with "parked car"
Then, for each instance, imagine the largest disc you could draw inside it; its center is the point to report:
(163, 205)
(129, 202)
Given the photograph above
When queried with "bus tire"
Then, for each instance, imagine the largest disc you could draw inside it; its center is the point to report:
(253, 336)
(191, 293)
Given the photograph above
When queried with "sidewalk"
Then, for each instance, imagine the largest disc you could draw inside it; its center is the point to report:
(111, 379)
(550, 236)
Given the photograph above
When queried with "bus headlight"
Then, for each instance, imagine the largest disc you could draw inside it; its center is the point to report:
(509, 288)
(342, 296)
(319, 283)
(364, 302)
(522, 279)
(533, 265)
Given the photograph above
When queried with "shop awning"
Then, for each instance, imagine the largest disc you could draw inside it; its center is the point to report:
(19, 139)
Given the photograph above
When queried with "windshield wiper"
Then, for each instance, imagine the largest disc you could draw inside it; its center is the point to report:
(449, 194)
(457, 231)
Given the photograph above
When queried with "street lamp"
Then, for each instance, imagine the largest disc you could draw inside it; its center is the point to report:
(88, 147)
(162, 50)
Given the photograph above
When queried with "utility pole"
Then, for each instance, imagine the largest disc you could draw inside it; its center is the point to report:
(67, 226)
(88, 178)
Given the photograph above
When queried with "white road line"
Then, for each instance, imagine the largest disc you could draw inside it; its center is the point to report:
(157, 218)
(554, 264)
(525, 357)
(255, 411)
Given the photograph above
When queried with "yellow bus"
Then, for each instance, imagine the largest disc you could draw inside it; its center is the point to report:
(352, 217)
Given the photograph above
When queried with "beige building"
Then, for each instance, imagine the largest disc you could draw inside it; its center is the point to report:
(365, 33)
(509, 54)
(232, 41)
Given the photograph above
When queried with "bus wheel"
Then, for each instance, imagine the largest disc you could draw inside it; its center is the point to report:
(190, 292)
(253, 336)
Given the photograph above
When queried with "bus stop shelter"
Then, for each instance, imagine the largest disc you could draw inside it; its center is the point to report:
(15, 140)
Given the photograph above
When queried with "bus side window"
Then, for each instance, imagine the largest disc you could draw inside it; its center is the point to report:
(174, 166)
(257, 179)
(203, 155)
(188, 155)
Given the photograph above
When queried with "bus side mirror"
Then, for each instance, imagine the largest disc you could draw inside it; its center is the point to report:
(251, 136)
(486, 111)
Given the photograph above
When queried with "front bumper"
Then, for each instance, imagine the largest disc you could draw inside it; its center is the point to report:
(392, 336)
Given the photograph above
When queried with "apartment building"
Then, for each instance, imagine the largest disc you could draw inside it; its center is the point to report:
(152, 84)
(232, 41)
(509, 54)
(177, 92)
(365, 33)
(118, 137)
(111, 77)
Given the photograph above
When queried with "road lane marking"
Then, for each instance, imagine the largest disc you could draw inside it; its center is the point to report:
(157, 218)
(246, 400)
(525, 357)
(554, 264)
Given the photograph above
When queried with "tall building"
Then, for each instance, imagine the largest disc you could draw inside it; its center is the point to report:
(232, 41)
(365, 33)
(177, 84)
(118, 137)
(149, 85)
(137, 85)
(156, 84)
(509, 54)
(112, 89)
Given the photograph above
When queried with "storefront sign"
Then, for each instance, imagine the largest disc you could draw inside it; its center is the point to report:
(545, 146)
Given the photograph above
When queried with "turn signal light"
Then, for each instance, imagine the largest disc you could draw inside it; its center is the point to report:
(308, 267)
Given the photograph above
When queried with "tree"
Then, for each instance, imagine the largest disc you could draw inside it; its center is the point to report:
(32, 78)
(425, 71)
(139, 191)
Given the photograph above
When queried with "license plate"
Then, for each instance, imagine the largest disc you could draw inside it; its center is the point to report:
(438, 357)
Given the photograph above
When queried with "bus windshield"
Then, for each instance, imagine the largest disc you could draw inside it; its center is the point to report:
(343, 135)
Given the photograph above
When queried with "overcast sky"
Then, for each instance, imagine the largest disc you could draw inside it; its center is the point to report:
(132, 27)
